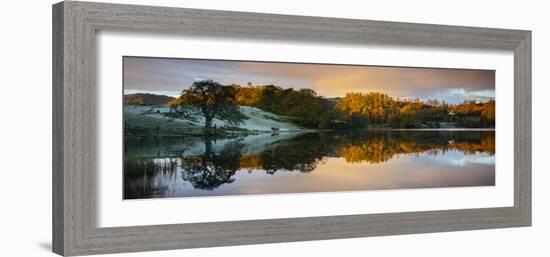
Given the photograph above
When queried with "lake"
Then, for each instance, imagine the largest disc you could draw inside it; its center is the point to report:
(299, 162)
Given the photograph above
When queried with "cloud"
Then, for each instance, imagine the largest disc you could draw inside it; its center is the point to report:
(163, 74)
(334, 80)
(479, 95)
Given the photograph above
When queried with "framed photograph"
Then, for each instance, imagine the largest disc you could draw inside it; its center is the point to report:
(182, 128)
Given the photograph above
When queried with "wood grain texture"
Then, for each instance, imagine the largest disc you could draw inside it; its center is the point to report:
(58, 230)
(522, 128)
(75, 25)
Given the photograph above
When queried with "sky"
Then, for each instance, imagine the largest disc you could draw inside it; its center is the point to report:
(169, 76)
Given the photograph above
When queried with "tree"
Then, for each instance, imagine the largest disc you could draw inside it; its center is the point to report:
(248, 96)
(270, 99)
(392, 113)
(211, 100)
(407, 115)
(488, 113)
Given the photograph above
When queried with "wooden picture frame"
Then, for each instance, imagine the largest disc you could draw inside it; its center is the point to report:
(75, 25)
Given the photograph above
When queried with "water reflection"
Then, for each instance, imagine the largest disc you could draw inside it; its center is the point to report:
(332, 161)
(210, 170)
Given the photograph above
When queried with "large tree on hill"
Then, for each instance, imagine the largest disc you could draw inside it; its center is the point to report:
(211, 100)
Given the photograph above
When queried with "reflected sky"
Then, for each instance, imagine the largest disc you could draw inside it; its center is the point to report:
(313, 163)
(336, 174)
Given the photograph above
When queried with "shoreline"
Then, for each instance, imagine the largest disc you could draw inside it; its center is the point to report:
(435, 129)
(225, 134)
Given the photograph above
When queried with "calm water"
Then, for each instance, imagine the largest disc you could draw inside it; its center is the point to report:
(307, 162)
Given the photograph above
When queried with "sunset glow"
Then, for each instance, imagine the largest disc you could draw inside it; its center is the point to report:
(170, 76)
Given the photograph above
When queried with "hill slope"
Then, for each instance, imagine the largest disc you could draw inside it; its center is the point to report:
(145, 99)
(151, 117)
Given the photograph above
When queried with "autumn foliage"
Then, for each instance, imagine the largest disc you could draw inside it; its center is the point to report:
(353, 111)
(361, 110)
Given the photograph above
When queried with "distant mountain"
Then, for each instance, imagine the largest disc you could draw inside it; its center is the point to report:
(146, 99)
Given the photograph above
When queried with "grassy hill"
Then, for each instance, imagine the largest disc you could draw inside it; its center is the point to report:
(140, 119)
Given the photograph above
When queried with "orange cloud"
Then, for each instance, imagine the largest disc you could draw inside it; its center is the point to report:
(336, 80)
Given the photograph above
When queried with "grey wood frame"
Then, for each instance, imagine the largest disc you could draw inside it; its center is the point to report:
(74, 128)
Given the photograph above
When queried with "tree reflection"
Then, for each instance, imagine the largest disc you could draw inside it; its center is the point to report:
(302, 154)
(383, 146)
(218, 163)
(211, 170)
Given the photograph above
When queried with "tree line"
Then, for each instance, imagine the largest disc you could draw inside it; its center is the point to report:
(353, 111)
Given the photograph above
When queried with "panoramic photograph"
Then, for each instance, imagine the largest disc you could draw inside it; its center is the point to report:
(197, 127)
